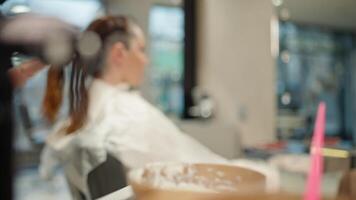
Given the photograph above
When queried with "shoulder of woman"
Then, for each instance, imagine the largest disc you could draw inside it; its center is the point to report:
(123, 104)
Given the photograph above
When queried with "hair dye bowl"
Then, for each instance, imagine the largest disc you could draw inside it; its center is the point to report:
(194, 181)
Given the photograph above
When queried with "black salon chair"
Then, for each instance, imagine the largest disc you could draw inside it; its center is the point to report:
(108, 177)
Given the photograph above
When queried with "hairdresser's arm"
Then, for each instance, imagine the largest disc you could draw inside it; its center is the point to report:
(19, 75)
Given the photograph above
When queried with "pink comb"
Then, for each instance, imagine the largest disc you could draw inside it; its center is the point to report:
(312, 191)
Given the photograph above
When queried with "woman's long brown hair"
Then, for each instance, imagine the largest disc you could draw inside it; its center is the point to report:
(53, 94)
(105, 28)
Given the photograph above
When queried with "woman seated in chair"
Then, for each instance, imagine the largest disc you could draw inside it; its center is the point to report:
(107, 116)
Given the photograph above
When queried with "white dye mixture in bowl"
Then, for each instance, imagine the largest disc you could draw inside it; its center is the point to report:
(192, 177)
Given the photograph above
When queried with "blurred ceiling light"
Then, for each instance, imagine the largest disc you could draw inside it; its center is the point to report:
(17, 9)
(286, 98)
(274, 36)
(277, 2)
(285, 57)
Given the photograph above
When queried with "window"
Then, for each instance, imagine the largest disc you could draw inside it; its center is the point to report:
(166, 32)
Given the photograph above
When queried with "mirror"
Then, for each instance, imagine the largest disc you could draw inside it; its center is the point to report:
(316, 62)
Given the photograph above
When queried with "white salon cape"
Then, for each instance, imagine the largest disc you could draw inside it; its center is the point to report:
(120, 123)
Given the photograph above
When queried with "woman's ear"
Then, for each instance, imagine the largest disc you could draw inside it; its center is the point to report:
(118, 52)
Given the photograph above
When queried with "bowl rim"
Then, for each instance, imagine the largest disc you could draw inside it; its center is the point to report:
(136, 185)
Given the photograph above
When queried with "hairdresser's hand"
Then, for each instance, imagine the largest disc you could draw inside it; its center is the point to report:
(33, 29)
(26, 70)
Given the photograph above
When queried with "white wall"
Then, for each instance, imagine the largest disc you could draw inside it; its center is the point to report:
(139, 9)
(235, 67)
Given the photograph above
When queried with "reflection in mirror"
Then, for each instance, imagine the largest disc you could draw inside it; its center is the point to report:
(316, 63)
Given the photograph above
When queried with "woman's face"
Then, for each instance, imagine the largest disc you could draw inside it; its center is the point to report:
(135, 60)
